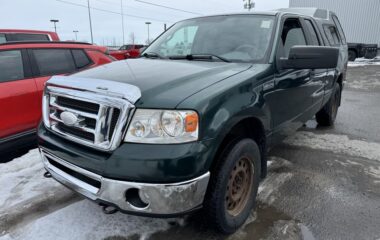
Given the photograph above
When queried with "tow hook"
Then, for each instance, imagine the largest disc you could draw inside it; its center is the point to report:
(47, 175)
(108, 209)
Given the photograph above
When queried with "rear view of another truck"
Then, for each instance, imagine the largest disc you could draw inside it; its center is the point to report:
(359, 50)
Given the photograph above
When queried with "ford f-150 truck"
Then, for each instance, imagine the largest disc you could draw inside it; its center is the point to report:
(187, 125)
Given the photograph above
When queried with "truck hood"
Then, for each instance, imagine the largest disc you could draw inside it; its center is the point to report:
(165, 83)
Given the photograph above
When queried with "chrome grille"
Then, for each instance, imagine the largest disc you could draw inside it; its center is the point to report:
(95, 119)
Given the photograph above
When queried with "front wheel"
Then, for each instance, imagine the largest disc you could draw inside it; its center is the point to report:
(232, 191)
(327, 115)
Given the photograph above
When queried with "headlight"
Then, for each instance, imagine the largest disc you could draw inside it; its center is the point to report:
(163, 126)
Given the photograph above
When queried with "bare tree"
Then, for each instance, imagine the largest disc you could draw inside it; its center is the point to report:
(132, 38)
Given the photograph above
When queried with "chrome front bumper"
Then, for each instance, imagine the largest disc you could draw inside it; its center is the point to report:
(158, 199)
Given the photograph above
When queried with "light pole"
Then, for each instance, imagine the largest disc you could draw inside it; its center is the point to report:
(55, 22)
(89, 17)
(122, 20)
(249, 4)
(148, 23)
(76, 36)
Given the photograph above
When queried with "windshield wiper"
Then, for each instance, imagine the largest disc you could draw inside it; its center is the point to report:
(152, 55)
(198, 57)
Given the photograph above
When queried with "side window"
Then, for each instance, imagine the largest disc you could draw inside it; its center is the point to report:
(3, 39)
(11, 66)
(29, 37)
(80, 58)
(313, 33)
(54, 61)
(340, 29)
(292, 35)
(128, 47)
(332, 35)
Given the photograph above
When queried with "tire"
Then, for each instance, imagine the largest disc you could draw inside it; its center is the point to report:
(327, 115)
(352, 55)
(236, 176)
(370, 54)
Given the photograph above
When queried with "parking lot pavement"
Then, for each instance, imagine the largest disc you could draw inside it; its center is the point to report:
(323, 183)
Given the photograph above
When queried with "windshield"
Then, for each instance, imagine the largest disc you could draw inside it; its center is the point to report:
(237, 38)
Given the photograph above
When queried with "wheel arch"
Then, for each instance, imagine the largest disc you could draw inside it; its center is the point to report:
(246, 127)
(340, 80)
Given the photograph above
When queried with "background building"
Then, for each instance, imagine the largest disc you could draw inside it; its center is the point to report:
(360, 19)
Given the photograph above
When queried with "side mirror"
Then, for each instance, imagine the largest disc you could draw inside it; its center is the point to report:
(310, 57)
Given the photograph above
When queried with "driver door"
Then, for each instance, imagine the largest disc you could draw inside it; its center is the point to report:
(289, 96)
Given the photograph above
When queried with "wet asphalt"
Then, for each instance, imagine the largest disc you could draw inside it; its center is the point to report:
(312, 191)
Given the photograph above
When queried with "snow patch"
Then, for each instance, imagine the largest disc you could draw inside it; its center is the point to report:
(85, 220)
(269, 187)
(360, 62)
(22, 179)
(364, 83)
(340, 144)
(374, 172)
(285, 230)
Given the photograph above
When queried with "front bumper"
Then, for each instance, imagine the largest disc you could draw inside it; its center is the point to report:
(133, 197)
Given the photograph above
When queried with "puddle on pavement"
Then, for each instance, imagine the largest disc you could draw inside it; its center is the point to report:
(269, 224)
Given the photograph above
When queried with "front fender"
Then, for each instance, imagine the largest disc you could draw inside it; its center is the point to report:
(223, 105)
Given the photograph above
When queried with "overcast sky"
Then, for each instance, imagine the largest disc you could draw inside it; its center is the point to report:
(107, 28)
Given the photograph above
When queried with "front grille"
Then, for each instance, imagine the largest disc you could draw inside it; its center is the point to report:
(74, 132)
(88, 118)
(78, 105)
(115, 117)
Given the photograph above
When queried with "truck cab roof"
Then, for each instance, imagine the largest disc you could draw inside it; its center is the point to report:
(317, 13)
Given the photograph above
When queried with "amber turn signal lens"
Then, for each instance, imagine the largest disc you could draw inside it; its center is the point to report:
(191, 122)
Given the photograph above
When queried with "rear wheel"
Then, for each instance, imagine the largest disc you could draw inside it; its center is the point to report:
(352, 55)
(233, 186)
(327, 115)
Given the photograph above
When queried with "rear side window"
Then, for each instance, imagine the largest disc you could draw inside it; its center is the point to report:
(3, 39)
(80, 58)
(28, 37)
(313, 33)
(11, 66)
(127, 47)
(54, 61)
(340, 29)
(332, 35)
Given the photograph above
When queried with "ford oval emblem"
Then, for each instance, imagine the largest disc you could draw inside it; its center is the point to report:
(68, 118)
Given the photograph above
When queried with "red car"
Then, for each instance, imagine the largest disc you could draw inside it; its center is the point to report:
(24, 69)
(17, 35)
(127, 51)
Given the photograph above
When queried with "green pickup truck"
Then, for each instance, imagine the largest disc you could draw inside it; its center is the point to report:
(187, 126)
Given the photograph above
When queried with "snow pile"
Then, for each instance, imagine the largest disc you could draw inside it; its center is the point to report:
(85, 220)
(22, 179)
(337, 144)
(360, 62)
(268, 189)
